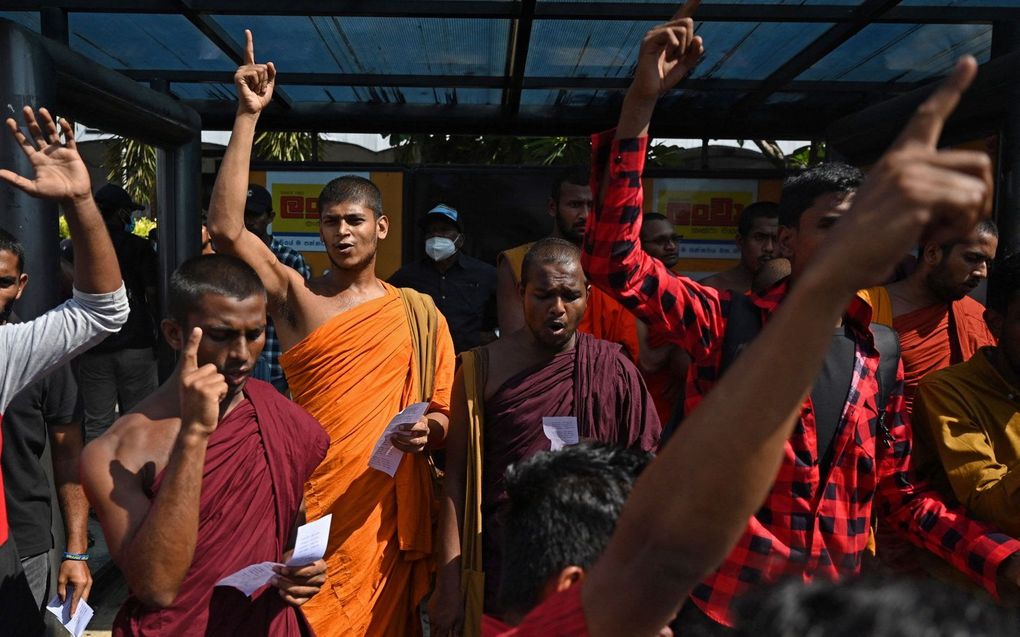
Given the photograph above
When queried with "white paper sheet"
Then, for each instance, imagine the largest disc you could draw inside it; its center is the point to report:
(560, 430)
(386, 457)
(311, 542)
(62, 611)
(309, 546)
(250, 578)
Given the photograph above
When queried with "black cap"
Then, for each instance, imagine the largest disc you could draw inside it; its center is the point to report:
(259, 201)
(112, 197)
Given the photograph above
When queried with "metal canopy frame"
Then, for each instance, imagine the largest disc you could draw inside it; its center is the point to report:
(749, 114)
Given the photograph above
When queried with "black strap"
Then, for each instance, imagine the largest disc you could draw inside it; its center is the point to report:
(887, 342)
(743, 322)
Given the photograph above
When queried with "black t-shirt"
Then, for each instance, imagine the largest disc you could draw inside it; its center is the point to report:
(830, 393)
(140, 269)
(49, 400)
(465, 294)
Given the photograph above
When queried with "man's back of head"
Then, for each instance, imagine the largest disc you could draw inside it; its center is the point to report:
(875, 607)
(562, 509)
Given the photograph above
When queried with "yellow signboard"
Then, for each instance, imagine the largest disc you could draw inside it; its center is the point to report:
(705, 213)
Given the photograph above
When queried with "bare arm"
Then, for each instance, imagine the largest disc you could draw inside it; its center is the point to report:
(508, 300)
(726, 455)
(154, 543)
(254, 83)
(66, 443)
(100, 304)
(446, 609)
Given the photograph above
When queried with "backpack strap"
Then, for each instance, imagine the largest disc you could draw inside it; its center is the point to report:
(743, 323)
(887, 342)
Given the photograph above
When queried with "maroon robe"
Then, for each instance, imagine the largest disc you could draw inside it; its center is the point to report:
(615, 407)
(255, 467)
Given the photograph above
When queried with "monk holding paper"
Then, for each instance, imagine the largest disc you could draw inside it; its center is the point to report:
(356, 352)
(515, 397)
(205, 476)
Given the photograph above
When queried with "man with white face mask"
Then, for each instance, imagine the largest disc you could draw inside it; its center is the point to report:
(463, 287)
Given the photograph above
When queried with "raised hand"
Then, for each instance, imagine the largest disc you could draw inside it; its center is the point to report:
(915, 189)
(668, 53)
(202, 390)
(254, 82)
(60, 173)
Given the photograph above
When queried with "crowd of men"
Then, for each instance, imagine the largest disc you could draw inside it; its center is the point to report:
(627, 451)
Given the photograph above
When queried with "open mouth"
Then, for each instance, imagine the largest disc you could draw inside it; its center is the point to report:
(344, 248)
(556, 327)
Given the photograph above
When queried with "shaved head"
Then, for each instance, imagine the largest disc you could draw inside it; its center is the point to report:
(550, 251)
(218, 274)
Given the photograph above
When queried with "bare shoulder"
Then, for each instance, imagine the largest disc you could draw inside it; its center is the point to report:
(135, 439)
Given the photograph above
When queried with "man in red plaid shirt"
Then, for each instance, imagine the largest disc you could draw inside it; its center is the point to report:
(844, 458)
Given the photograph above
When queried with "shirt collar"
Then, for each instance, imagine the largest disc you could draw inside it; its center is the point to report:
(858, 312)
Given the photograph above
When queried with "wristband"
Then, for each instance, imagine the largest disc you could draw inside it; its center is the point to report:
(76, 557)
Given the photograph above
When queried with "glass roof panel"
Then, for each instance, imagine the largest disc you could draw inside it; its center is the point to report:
(203, 91)
(27, 19)
(612, 98)
(959, 3)
(401, 46)
(144, 41)
(752, 51)
(608, 48)
(751, 2)
(392, 95)
(902, 52)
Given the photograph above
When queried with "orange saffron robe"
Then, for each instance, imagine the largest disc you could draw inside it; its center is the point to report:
(353, 374)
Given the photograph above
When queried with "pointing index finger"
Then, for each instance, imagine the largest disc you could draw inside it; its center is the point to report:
(249, 48)
(925, 127)
(190, 353)
(687, 10)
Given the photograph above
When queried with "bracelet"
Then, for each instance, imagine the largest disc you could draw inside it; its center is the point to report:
(77, 557)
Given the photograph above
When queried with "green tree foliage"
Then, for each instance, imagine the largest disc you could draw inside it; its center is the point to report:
(284, 146)
(132, 164)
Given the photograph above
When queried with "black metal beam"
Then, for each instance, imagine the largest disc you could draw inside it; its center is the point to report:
(230, 47)
(790, 122)
(819, 48)
(864, 135)
(498, 81)
(517, 60)
(510, 9)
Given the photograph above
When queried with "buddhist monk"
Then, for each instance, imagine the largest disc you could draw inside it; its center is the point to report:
(938, 323)
(569, 204)
(205, 476)
(356, 352)
(502, 394)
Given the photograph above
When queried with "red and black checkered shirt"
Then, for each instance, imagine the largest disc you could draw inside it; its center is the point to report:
(813, 524)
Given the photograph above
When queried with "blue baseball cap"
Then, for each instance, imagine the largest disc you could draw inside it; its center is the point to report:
(444, 212)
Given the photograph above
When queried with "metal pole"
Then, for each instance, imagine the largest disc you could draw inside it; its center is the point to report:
(1006, 39)
(178, 200)
(32, 221)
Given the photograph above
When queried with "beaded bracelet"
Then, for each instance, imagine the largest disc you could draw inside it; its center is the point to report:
(77, 557)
